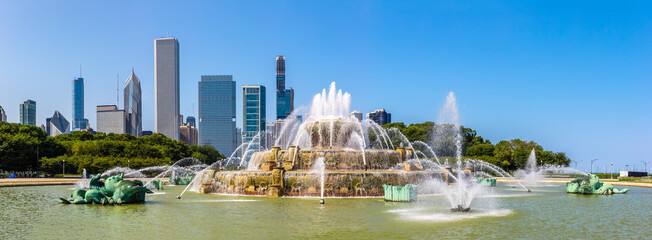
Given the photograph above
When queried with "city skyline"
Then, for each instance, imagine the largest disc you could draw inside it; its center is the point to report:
(562, 82)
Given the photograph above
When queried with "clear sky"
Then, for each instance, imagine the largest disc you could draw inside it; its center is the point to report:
(572, 76)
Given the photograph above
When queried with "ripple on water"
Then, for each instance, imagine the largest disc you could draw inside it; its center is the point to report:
(438, 215)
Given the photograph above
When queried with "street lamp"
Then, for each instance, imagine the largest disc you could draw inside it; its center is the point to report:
(612, 170)
(64, 169)
(592, 164)
(576, 163)
(645, 167)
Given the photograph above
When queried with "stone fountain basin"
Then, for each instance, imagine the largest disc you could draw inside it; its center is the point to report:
(337, 183)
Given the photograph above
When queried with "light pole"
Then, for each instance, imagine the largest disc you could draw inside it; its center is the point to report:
(645, 166)
(592, 164)
(627, 168)
(64, 169)
(612, 170)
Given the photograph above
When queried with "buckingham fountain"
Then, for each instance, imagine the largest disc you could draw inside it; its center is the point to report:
(328, 154)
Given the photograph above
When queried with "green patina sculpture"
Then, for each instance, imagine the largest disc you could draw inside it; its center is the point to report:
(407, 193)
(114, 190)
(156, 183)
(181, 180)
(487, 182)
(591, 184)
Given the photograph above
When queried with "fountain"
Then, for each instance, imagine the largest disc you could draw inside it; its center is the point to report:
(328, 155)
(531, 173)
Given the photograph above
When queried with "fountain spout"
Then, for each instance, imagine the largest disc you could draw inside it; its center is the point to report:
(460, 208)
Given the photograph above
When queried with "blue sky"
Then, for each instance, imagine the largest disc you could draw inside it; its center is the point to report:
(572, 76)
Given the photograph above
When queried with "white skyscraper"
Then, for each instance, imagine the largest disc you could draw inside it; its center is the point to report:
(166, 87)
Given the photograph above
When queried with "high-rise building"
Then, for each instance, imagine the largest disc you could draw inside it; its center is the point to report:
(78, 120)
(188, 132)
(238, 141)
(3, 115)
(28, 113)
(269, 134)
(111, 120)
(380, 116)
(190, 120)
(216, 95)
(133, 105)
(57, 124)
(166, 87)
(357, 115)
(284, 97)
(253, 113)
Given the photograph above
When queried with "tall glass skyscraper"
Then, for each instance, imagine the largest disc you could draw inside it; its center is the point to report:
(28, 113)
(253, 111)
(78, 120)
(3, 115)
(216, 95)
(166, 87)
(284, 97)
(133, 105)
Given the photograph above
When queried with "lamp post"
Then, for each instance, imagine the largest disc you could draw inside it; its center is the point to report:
(592, 164)
(645, 166)
(64, 169)
(612, 170)
(627, 168)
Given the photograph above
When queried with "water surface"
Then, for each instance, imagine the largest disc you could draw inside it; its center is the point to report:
(549, 213)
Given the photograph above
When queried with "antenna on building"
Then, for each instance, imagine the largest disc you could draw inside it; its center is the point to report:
(117, 90)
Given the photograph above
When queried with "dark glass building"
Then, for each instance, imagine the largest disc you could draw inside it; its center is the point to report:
(284, 97)
(217, 113)
(78, 120)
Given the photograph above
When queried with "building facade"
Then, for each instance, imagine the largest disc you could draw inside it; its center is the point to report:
(253, 112)
(28, 113)
(216, 95)
(380, 116)
(78, 120)
(133, 106)
(357, 115)
(166, 87)
(57, 124)
(284, 97)
(188, 133)
(111, 120)
(3, 115)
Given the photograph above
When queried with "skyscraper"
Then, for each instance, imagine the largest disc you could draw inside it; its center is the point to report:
(133, 105)
(284, 97)
(253, 112)
(3, 115)
(380, 116)
(78, 120)
(166, 87)
(188, 132)
(28, 113)
(57, 124)
(110, 119)
(217, 113)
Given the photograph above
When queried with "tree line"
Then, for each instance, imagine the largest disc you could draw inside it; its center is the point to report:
(508, 154)
(28, 148)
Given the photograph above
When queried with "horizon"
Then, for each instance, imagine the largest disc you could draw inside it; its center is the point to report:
(570, 77)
